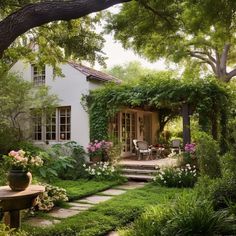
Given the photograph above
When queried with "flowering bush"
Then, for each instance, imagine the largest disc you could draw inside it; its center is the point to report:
(190, 147)
(189, 155)
(102, 170)
(99, 148)
(51, 197)
(177, 177)
(22, 160)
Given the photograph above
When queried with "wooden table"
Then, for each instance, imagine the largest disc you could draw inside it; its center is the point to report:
(157, 152)
(11, 202)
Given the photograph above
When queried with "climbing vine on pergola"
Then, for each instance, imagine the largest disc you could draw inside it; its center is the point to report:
(207, 98)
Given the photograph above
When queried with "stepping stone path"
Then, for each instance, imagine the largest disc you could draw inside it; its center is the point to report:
(95, 199)
(83, 204)
(113, 192)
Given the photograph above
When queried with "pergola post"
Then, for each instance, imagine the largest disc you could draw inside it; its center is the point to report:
(186, 124)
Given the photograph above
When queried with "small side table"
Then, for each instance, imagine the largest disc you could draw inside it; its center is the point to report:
(12, 202)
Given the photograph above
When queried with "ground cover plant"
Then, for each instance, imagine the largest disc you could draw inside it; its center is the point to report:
(77, 189)
(6, 231)
(111, 214)
(188, 215)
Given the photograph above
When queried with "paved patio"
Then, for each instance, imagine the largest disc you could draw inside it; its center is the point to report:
(165, 162)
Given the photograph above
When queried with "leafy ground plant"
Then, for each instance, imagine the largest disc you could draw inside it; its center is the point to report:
(177, 177)
(189, 215)
(51, 197)
(6, 231)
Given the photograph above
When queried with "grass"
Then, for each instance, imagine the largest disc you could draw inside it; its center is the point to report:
(83, 188)
(109, 215)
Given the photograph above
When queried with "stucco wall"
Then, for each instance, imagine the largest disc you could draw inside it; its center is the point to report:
(69, 90)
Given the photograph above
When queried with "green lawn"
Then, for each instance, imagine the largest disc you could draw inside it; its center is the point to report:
(109, 215)
(82, 188)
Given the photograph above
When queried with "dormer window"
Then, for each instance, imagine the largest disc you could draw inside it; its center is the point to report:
(38, 75)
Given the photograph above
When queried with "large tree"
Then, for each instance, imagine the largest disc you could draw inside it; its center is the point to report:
(181, 30)
(130, 71)
(19, 16)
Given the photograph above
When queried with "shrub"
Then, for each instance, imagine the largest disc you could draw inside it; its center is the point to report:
(99, 149)
(76, 154)
(28, 147)
(177, 177)
(3, 172)
(63, 161)
(228, 162)
(53, 165)
(52, 196)
(102, 171)
(190, 215)
(222, 191)
(207, 154)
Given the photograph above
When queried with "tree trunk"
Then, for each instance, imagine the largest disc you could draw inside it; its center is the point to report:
(186, 124)
(37, 14)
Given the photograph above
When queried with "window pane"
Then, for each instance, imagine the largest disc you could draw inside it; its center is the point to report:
(65, 128)
(37, 127)
(38, 75)
(51, 126)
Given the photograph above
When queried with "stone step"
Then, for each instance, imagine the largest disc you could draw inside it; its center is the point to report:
(138, 177)
(140, 167)
(139, 171)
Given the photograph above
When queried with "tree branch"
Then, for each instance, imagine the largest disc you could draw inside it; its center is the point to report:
(37, 14)
(206, 60)
(230, 75)
(155, 12)
(223, 58)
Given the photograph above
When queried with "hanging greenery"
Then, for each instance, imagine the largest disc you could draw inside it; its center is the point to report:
(159, 92)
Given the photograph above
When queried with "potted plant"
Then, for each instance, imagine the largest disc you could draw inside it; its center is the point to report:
(20, 163)
(98, 150)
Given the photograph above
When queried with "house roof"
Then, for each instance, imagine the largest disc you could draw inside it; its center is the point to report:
(93, 74)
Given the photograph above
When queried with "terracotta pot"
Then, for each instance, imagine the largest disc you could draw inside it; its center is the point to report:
(19, 180)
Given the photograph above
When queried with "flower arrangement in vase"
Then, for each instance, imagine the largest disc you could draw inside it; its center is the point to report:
(20, 163)
(98, 150)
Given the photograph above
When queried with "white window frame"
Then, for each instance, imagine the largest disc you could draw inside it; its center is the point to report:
(38, 75)
(62, 129)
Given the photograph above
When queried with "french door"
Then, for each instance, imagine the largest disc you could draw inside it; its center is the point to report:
(128, 132)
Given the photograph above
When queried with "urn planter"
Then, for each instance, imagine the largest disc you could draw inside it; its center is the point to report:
(19, 179)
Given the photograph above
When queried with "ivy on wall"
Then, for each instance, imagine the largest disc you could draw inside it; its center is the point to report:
(160, 91)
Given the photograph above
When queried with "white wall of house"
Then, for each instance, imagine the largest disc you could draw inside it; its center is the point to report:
(69, 90)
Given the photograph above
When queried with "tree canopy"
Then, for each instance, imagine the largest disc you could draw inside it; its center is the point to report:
(17, 98)
(130, 71)
(179, 31)
(20, 16)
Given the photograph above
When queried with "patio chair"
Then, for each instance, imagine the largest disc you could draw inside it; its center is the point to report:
(135, 146)
(175, 147)
(143, 149)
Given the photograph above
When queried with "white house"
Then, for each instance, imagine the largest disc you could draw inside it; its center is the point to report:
(70, 122)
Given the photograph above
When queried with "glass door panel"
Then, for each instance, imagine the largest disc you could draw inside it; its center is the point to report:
(128, 131)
